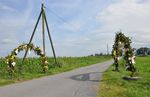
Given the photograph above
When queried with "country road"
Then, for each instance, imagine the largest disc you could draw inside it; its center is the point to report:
(82, 82)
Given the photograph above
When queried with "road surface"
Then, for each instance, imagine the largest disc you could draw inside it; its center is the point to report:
(82, 82)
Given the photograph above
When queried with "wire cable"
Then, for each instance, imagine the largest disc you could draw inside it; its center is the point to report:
(53, 12)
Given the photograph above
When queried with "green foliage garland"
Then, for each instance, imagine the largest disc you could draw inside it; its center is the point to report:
(121, 41)
(11, 59)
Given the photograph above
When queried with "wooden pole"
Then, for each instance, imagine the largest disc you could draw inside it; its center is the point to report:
(50, 37)
(32, 35)
(44, 20)
(43, 34)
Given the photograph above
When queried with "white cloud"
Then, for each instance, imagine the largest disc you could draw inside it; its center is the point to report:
(6, 8)
(7, 41)
(12, 27)
(132, 16)
(72, 26)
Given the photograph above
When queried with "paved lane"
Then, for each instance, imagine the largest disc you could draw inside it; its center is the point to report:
(82, 82)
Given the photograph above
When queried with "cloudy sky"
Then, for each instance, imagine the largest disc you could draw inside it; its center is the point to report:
(78, 27)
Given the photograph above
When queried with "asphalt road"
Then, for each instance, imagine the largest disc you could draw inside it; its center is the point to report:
(82, 82)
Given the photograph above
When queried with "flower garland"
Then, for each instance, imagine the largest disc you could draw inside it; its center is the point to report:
(11, 59)
(121, 41)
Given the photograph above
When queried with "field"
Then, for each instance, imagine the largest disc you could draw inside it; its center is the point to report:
(113, 85)
(31, 68)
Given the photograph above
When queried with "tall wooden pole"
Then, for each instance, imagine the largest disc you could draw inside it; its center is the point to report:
(43, 32)
(50, 38)
(32, 35)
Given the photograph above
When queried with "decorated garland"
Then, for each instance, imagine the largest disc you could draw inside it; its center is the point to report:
(11, 59)
(123, 42)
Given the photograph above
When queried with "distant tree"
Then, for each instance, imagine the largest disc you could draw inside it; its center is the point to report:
(92, 55)
(143, 51)
(101, 54)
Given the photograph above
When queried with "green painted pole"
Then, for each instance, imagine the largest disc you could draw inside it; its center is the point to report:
(50, 37)
(32, 35)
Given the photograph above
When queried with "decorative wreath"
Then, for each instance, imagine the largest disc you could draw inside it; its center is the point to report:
(11, 59)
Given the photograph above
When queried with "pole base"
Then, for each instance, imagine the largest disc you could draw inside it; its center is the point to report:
(131, 78)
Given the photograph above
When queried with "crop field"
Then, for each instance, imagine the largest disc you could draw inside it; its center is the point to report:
(32, 68)
(113, 85)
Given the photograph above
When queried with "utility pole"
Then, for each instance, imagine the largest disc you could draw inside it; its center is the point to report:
(107, 50)
(44, 22)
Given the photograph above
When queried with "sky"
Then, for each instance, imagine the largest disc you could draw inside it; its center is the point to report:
(78, 27)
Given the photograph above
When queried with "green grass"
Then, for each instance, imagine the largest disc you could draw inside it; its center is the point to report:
(32, 67)
(113, 85)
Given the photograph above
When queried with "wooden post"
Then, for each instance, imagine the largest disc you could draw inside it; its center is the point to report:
(50, 37)
(32, 35)
(44, 20)
(43, 34)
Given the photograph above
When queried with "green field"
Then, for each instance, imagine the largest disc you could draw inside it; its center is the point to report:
(32, 68)
(113, 85)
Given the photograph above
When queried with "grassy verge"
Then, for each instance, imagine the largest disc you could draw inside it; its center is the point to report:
(113, 85)
(32, 67)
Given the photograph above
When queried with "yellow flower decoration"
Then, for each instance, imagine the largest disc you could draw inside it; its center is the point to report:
(10, 59)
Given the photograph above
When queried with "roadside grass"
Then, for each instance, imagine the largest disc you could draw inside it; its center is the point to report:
(113, 85)
(32, 68)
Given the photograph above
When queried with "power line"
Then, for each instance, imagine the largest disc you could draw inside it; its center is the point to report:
(53, 12)
(60, 18)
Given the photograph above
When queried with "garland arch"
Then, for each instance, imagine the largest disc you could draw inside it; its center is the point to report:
(11, 59)
(123, 43)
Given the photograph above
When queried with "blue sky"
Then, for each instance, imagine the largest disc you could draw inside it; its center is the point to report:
(80, 28)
